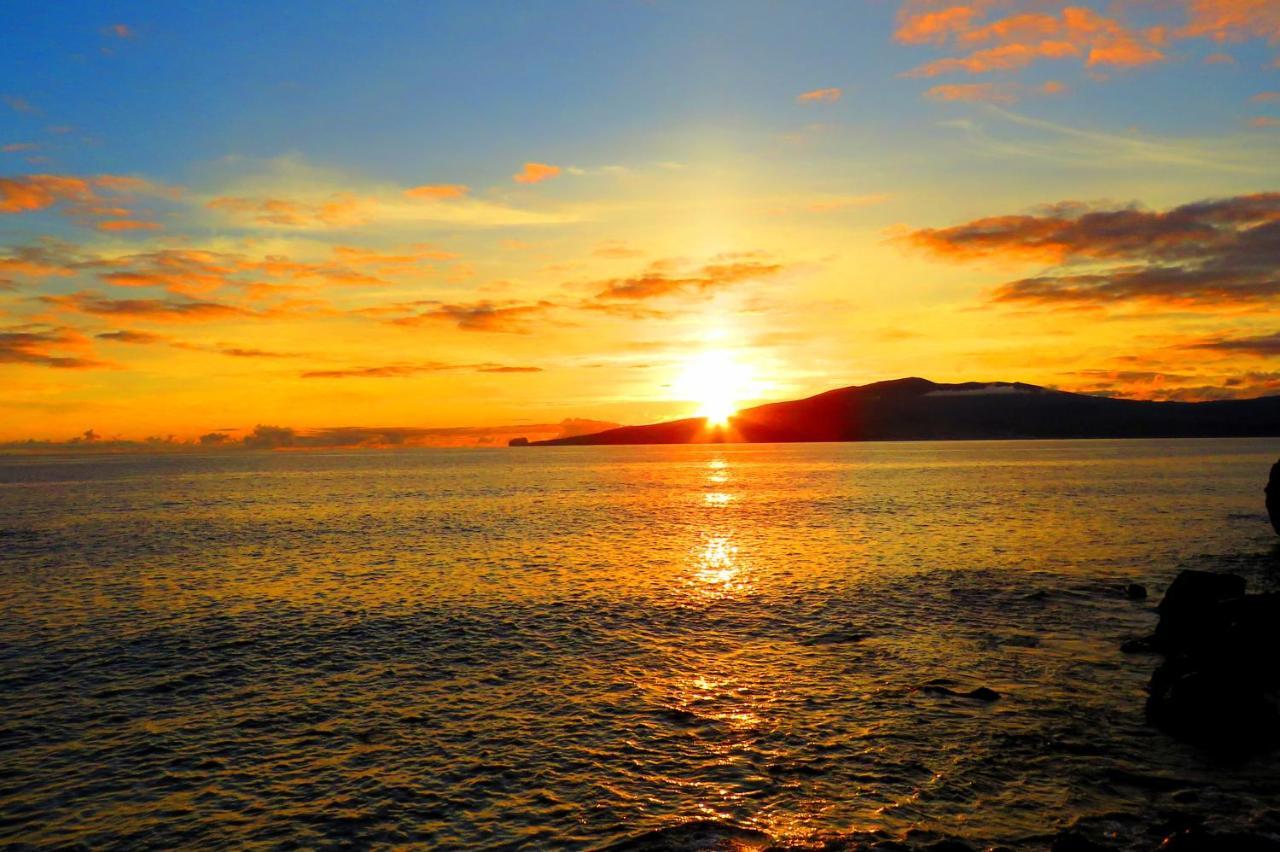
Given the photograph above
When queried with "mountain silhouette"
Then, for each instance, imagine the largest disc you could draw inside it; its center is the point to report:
(917, 409)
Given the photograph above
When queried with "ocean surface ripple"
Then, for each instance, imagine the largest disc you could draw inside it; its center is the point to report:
(579, 647)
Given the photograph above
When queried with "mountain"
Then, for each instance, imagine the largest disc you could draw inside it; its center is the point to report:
(917, 410)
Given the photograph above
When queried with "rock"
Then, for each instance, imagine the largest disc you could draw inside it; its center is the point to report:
(1220, 681)
(836, 637)
(1273, 497)
(1074, 841)
(518, 442)
(982, 693)
(1188, 607)
(1135, 592)
(1036, 596)
(1145, 645)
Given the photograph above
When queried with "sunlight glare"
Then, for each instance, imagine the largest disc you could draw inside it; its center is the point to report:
(717, 383)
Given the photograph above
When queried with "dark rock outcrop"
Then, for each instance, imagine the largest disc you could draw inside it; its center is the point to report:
(1219, 685)
(1188, 605)
(518, 442)
(982, 693)
(1135, 592)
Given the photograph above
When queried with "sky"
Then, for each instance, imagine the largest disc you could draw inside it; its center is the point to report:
(454, 222)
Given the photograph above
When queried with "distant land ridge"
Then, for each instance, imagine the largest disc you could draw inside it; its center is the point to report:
(916, 409)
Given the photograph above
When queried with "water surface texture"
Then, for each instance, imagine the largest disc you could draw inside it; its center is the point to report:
(569, 647)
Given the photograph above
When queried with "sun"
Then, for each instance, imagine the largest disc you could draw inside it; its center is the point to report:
(717, 383)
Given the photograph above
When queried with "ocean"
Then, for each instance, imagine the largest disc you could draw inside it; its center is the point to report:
(582, 646)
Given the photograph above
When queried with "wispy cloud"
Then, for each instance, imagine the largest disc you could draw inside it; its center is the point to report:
(535, 173)
(830, 95)
(402, 370)
(1216, 254)
(46, 348)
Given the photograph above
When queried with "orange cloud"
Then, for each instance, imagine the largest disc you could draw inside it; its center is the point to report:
(485, 315)
(39, 261)
(146, 338)
(1217, 254)
(821, 95)
(983, 92)
(119, 31)
(160, 310)
(92, 200)
(117, 225)
(535, 173)
(662, 278)
(1265, 97)
(339, 208)
(1021, 38)
(933, 27)
(39, 348)
(1219, 59)
(1261, 346)
(37, 192)
(1009, 57)
(1264, 121)
(1232, 20)
(397, 371)
(437, 192)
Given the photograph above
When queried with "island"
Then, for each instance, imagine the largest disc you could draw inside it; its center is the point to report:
(916, 409)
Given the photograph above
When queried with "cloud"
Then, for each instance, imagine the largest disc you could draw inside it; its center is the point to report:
(40, 348)
(336, 210)
(159, 310)
(143, 338)
(291, 195)
(665, 278)
(373, 437)
(146, 338)
(95, 201)
(114, 226)
(1266, 97)
(1009, 57)
(123, 31)
(1030, 32)
(1264, 121)
(397, 371)
(42, 260)
(830, 95)
(616, 249)
(18, 147)
(1262, 346)
(1215, 254)
(1219, 59)
(36, 192)
(981, 92)
(437, 192)
(1172, 386)
(18, 104)
(1232, 20)
(505, 317)
(535, 173)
